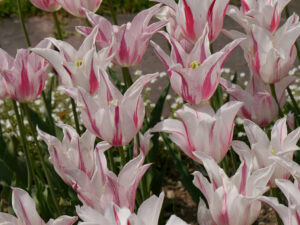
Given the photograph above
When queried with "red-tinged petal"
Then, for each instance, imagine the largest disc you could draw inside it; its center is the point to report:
(24, 207)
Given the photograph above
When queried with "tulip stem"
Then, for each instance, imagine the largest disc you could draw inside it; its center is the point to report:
(28, 159)
(23, 24)
(122, 155)
(272, 87)
(126, 77)
(295, 104)
(112, 11)
(75, 116)
(58, 32)
(111, 162)
(49, 113)
(39, 151)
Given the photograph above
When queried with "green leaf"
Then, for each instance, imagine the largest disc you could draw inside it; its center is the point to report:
(158, 109)
(186, 177)
(114, 76)
(6, 174)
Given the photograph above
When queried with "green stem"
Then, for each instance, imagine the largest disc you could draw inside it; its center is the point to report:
(23, 24)
(39, 151)
(126, 77)
(122, 155)
(75, 116)
(112, 11)
(111, 162)
(29, 162)
(49, 113)
(273, 91)
(296, 107)
(59, 34)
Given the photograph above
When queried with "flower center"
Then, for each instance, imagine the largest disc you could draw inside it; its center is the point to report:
(273, 152)
(79, 63)
(195, 64)
(114, 102)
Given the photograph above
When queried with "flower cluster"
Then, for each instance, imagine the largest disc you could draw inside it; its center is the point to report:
(108, 164)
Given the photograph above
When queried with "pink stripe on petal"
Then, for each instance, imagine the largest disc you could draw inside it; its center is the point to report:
(245, 6)
(92, 121)
(94, 84)
(25, 87)
(256, 63)
(117, 139)
(135, 116)
(81, 165)
(275, 19)
(244, 179)
(210, 20)
(189, 21)
(123, 51)
(117, 220)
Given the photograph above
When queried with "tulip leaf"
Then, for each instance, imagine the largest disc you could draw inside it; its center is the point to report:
(158, 109)
(186, 177)
(6, 174)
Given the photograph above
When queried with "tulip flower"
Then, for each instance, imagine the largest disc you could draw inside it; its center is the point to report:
(195, 75)
(131, 39)
(270, 55)
(77, 68)
(281, 144)
(25, 75)
(46, 5)
(147, 214)
(105, 187)
(144, 143)
(290, 165)
(192, 16)
(25, 210)
(289, 215)
(110, 115)
(259, 104)
(77, 7)
(73, 153)
(230, 199)
(264, 13)
(200, 129)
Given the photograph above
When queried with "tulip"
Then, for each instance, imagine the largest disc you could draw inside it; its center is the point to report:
(147, 214)
(73, 153)
(281, 144)
(110, 115)
(264, 13)
(46, 5)
(289, 215)
(25, 75)
(76, 7)
(131, 39)
(105, 187)
(230, 199)
(192, 16)
(259, 104)
(144, 143)
(200, 129)
(77, 68)
(270, 55)
(195, 75)
(25, 210)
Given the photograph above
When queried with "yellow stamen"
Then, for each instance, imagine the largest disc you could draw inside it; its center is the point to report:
(195, 64)
(79, 63)
(114, 102)
(272, 151)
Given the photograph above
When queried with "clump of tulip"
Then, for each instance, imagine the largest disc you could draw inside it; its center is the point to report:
(111, 168)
